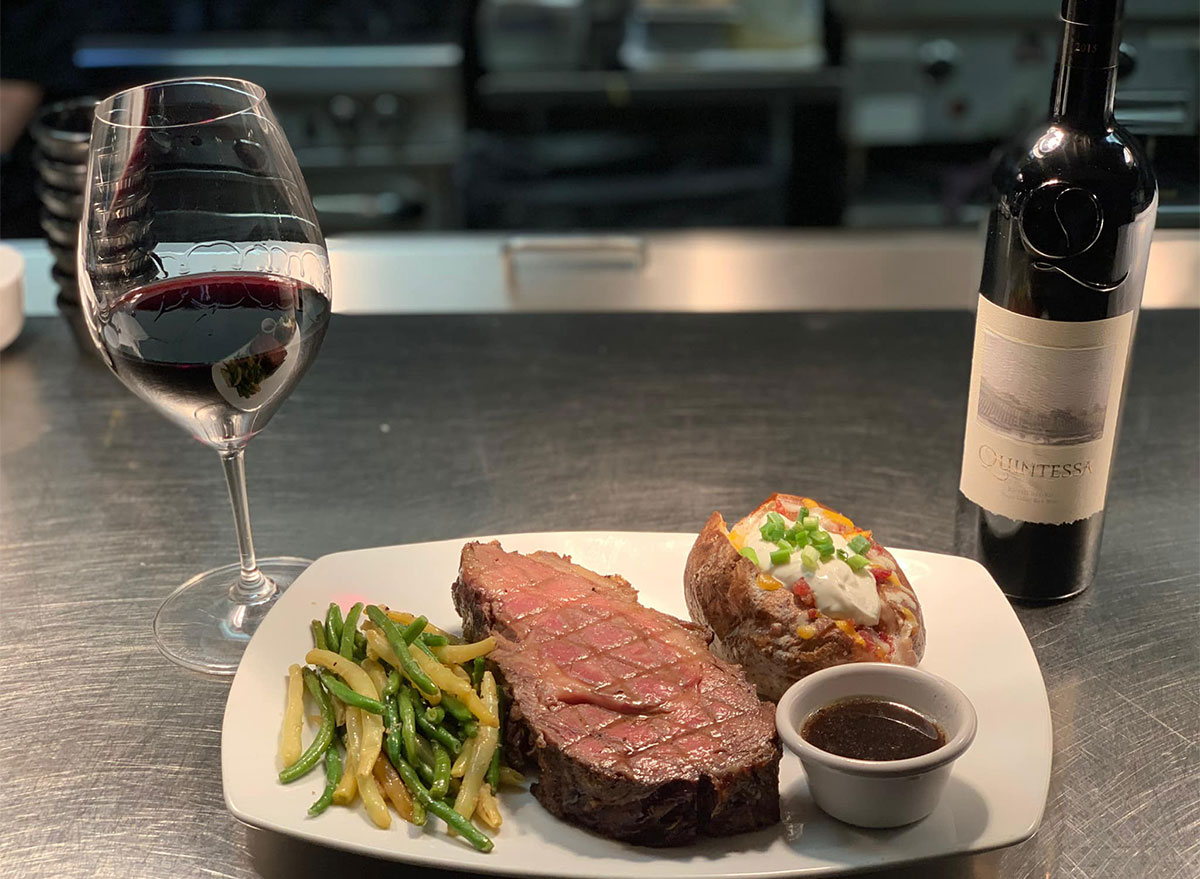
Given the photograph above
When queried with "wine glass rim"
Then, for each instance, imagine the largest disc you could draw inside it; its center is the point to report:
(256, 93)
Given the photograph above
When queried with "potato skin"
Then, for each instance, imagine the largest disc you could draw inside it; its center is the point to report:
(757, 628)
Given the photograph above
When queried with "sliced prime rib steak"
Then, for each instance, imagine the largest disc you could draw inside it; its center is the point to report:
(637, 731)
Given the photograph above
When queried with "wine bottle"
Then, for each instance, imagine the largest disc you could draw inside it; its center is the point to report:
(1065, 260)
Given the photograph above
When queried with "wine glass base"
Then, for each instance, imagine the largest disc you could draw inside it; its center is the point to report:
(203, 626)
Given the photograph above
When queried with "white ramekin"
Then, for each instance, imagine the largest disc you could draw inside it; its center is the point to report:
(12, 299)
(877, 793)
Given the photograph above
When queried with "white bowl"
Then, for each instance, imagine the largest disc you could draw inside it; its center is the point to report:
(12, 298)
(877, 793)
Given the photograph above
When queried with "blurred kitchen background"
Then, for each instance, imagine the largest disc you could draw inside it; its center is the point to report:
(551, 115)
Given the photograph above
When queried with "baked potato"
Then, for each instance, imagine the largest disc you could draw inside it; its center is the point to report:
(795, 587)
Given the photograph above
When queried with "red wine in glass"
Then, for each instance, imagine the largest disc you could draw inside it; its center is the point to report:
(216, 353)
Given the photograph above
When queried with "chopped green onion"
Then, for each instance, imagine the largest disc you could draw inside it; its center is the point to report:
(749, 553)
(856, 562)
(825, 556)
(842, 554)
(809, 557)
(771, 532)
(859, 544)
(821, 537)
(781, 556)
(797, 537)
(776, 519)
(810, 523)
(801, 513)
(786, 544)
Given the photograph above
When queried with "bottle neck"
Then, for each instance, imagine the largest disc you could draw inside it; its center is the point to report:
(1085, 79)
(1084, 98)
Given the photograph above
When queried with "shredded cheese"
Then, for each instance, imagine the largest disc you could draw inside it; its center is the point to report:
(769, 583)
(848, 627)
(806, 631)
(846, 524)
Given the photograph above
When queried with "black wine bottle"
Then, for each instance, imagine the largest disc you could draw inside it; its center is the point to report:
(1065, 260)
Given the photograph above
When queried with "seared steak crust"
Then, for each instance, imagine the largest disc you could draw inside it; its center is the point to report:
(636, 730)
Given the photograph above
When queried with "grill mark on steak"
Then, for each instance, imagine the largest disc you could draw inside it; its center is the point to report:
(638, 732)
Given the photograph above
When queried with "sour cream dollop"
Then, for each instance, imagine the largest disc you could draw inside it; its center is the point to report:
(839, 591)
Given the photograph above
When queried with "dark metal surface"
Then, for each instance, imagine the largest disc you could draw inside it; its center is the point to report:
(418, 428)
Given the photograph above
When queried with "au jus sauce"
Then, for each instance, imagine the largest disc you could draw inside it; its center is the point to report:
(867, 728)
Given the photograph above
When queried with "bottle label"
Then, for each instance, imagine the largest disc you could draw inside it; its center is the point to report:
(1042, 414)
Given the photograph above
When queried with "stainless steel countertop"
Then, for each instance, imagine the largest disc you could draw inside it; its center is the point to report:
(415, 428)
(706, 271)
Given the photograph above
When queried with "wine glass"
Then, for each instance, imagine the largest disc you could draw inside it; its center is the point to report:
(205, 284)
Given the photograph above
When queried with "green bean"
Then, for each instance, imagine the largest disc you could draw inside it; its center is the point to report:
(431, 640)
(424, 754)
(333, 626)
(407, 664)
(414, 633)
(318, 635)
(391, 747)
(425, 770)
(393, 685)
(349, 630)
(493, 770)
(413, 629)
(439, 734)
(435, 714)
(408, 725)
(347, 695)
(393, 738)
(424, 762)
(441, 772)
(360, 646)
(469, 831)
(424, 648)
(470, 729)
(333, 775)
(324, 737)
(456, 709)
(477, 672)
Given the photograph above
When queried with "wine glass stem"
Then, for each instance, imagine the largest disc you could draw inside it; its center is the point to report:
(252, 586)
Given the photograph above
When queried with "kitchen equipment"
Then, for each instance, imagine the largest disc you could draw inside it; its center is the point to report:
(724, 35)
(533, 34)
(934, 86)
(61, 132)
(377, 127)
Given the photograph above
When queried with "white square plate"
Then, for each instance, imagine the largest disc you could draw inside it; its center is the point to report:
(994, 798)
